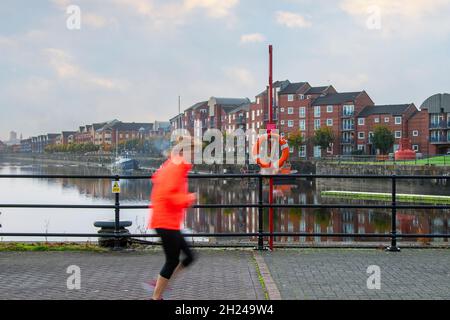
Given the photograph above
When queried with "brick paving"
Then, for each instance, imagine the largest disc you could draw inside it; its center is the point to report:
(342, 273)
(230, 274)
(217, 274)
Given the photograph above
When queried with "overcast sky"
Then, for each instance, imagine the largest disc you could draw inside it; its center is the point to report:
(132, 58)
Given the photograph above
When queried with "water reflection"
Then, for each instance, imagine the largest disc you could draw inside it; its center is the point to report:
(226, 191)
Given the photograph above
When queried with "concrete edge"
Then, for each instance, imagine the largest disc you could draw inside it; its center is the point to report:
(271, 287)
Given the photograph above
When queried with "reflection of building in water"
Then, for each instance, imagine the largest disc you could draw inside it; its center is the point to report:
(308, 220)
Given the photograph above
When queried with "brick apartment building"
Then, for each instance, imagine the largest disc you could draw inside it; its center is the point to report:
(395, 117)
(435, 120)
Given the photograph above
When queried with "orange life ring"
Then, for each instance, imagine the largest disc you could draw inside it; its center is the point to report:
(284, 151)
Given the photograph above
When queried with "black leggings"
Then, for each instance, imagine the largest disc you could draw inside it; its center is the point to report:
(173, 242)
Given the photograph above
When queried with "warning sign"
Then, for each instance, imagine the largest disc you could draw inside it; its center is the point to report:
(115, 187)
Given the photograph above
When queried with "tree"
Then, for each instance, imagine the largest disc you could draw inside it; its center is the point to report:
(383, 139)
(296, 139)
(323, 137)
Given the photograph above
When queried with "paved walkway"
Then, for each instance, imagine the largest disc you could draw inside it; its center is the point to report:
(231, 274)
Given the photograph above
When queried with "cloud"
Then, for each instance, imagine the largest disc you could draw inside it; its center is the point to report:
(401, 17)
(252, 37)
(94, 20)
(240, 75)
(65, 69)
(402, 8)
(292, 20)
(214, 8)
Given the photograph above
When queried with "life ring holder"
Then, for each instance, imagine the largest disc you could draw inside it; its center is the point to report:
(284, 151)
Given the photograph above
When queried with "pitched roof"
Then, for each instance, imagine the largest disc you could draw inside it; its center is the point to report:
(276, 84)
(393, 109)
(336, 98)
(317, 90)
(292, 88)
(233, 102)
(243, 107)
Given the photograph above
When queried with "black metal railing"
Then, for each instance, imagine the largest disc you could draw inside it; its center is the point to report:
(393, 235)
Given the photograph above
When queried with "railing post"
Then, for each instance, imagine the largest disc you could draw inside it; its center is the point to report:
(117, 218)
(260, 214)
(393, 247)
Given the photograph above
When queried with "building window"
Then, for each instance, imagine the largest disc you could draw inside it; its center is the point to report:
(361, 147)
(348, 109)
(291, 149)
(302, 125)
(302, 112)
(308, 97)
(360, 121)
(316, 124)
(290, 97)
(415, 147)
(386, 119)
(302, 151)
(282, 122)
(257, 100)
(376, 120)
(329, 109)
(281, 109)
(301, 96)
(398, 120)
(398, 134)
(290, 110)
(290, 123)
(415, 133)
(317, 111)
(253, 115)
(361, 135)
(329, 122)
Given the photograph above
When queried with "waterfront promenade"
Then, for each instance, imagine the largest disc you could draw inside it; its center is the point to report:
(231, 274)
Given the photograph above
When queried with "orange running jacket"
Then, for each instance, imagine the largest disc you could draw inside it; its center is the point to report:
(170, 196)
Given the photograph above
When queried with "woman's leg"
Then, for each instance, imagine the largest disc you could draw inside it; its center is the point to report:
(190, 256)
(171, 246)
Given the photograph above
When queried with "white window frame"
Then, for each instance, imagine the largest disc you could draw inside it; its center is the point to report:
(316, 111)
(399, 135)
(316, 124)
(290, 97)
(361, 135)
(398, 122)
(376, 120)
(281, 109)
(415, 147)
(415, 133)
(329, 122)
(361, 121)
(301, 96)
(290, 123)
(282, 122)
(302, 112)
(329, 108)
(302, 125)
(386, 119)
(290, 110)
(302, 151)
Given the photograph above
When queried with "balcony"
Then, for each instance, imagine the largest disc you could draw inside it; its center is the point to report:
(439, 125)
(439, 139)
(240, 120)
(348, 113)
(347, 140)
(348, 127)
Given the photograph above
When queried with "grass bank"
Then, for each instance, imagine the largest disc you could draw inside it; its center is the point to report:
(45, 246)
(422, 198)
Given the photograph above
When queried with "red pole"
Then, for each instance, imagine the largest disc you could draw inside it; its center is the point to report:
(270, 122)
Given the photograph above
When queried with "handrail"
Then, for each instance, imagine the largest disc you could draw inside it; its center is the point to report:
(393, 235)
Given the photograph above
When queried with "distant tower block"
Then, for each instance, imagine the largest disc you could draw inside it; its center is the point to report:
(405, 152)
(12, 136)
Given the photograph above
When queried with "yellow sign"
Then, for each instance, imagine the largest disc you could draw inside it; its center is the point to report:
(116, 187)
